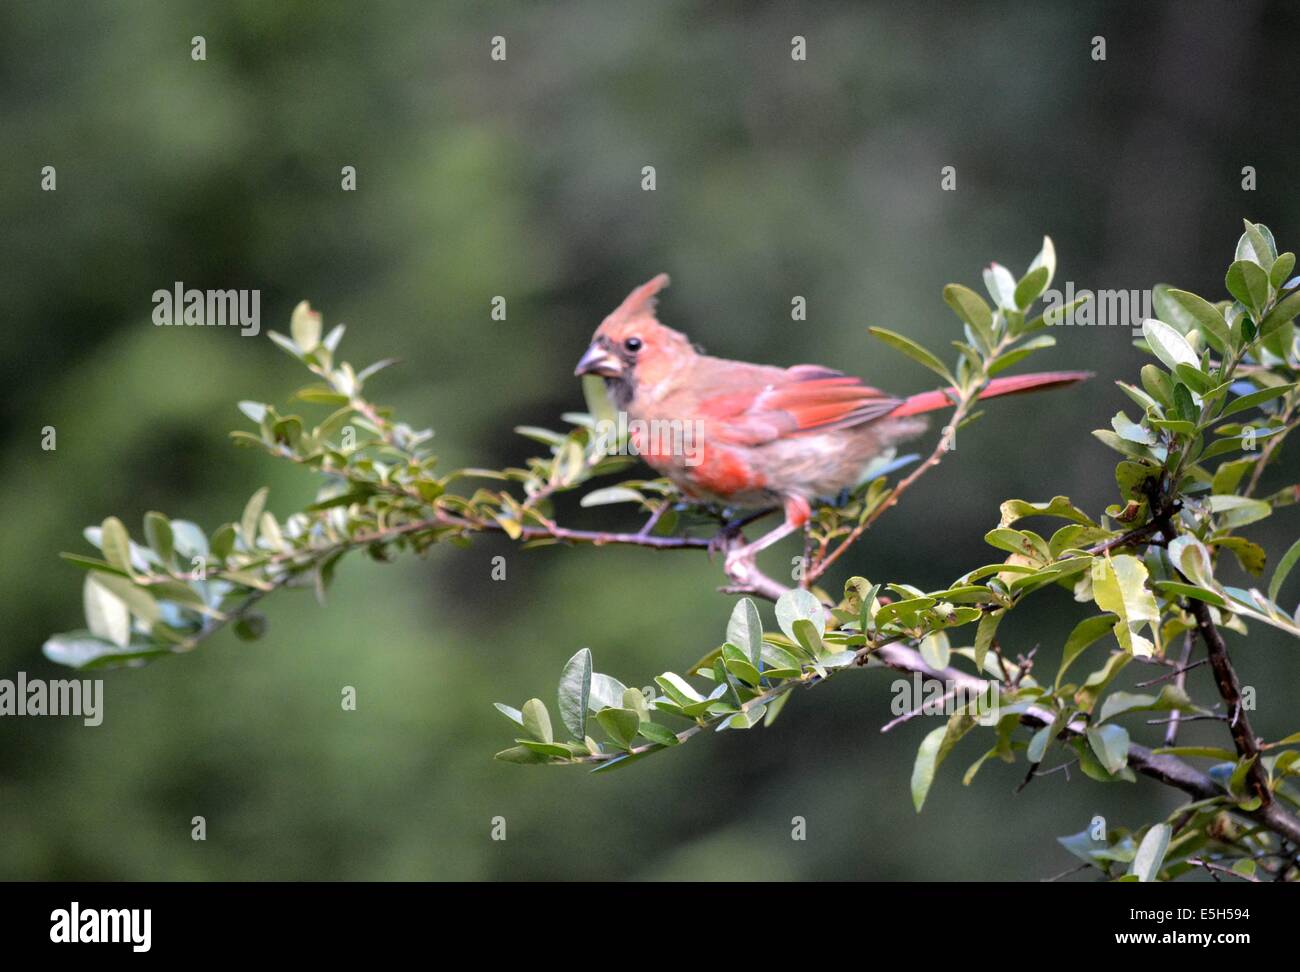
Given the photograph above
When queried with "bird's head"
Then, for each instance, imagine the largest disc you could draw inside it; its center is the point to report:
(631, 348)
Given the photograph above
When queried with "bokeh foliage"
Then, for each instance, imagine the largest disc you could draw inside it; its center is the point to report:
(521, 179)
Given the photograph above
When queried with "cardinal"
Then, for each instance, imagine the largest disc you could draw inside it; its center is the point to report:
(760, 436)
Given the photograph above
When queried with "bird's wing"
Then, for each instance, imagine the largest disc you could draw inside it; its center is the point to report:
(805, 398)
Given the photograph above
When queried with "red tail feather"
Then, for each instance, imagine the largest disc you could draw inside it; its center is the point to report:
(933, 400)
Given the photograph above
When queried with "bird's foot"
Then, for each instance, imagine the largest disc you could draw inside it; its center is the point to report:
(726, 537)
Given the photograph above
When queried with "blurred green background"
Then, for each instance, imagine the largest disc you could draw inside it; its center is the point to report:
(521, 178)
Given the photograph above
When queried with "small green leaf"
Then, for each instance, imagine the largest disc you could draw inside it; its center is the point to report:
(1030, 287)
(248, 523)
(1284, 311)
(510, 712)
(1168, 345)
(1283, 569)
(621, 725)
(116, 544)
(304, 326)
(658, 734)
(575, 693)
(745, 630)
(971, 308)
(1151, 853)
(520, 754)
(107, 616)
(158, 534)
(611, 494)
(1247, 281)
(1254, 399)
(1085, 633)
(914, 351)
(799, 604)
(984, 634)
(537, 721)
(1110, 743)
(606, 692)
(1207, 317)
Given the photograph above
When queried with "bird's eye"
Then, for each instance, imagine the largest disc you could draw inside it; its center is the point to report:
(632, 345)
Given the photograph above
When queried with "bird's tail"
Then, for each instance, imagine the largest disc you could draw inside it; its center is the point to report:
(943, 398)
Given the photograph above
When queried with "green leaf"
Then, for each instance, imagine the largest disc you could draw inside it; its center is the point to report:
(107, 616)
(1013, 357)
(1254, 399)
(658, 734)
(1212, 752)
(984, 634)
(747, 719)
(1281, 270)
(1283, 312)
(1168, 345)
(138, 600)
(1000, 285)
(510, 712)
(254, 410)
(1283, 569)
(618, 762)
(1171, 698)
(1127, 429)
(621, 725)
(520, 754)
(1151, 853)
(972, 309)
(1157, 384)
(115, 543)
(936, 651)
(1110, 743)
(537, 721)
(678, 689)
(745, 630)
(1046, 258)
(611, 494)
(1119, 586)
(1060, 506)
(1239, 511)
(575, 693)
(1207, 317)
(158, 534)
(799, 604)
(85, 651)
(933, 750)
(252, 514)
(1257, 245)
(1085, 633)
(1248, 282)
(1030, 287)
(1120, 445)
(304, 326)
(1097, 681)
(1175, 589)
(606, 692)
(1250, 555)
(914, 351)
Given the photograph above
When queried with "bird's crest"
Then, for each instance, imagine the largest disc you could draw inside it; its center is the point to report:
(641, 302)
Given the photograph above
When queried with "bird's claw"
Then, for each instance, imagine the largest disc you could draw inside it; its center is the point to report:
(726, 537)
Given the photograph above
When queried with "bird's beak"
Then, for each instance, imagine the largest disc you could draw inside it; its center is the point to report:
(599, 361)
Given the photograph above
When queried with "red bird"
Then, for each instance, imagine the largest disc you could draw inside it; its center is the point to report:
(749, 435)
